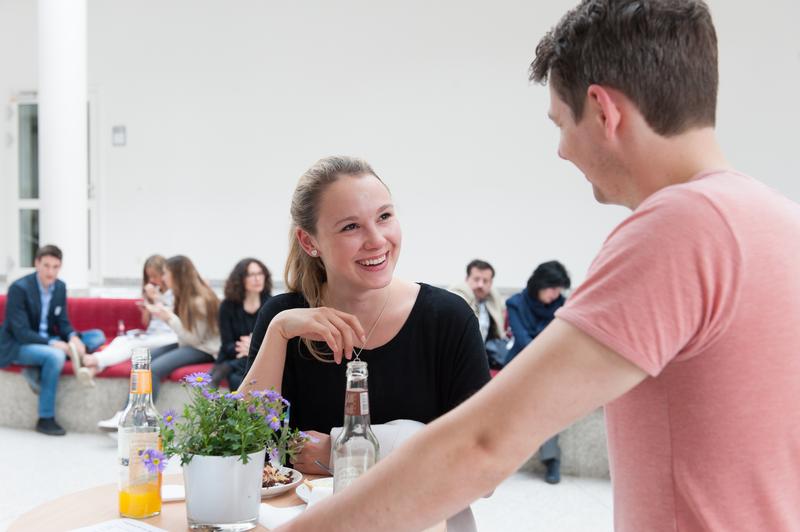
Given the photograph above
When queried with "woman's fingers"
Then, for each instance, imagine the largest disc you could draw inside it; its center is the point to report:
(354, 324)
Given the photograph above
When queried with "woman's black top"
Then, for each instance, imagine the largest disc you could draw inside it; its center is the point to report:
(234, 322)
(436, 361)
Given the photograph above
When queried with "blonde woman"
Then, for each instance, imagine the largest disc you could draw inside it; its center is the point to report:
(422, 343)
(156, 334)
(194, 321)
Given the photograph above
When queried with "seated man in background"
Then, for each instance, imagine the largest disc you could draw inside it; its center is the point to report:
(488, 307)
(37, 333)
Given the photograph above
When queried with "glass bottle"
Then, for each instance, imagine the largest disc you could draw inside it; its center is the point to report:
(356, 449)
(139, 488)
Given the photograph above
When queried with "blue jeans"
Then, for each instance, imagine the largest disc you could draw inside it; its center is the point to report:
(51, 360)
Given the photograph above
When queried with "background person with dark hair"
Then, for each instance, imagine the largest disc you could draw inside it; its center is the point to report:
(37, 333)
(248, 287)
(487, 304)
(529, 312)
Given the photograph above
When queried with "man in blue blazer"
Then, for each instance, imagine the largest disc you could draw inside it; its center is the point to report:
(37, 333)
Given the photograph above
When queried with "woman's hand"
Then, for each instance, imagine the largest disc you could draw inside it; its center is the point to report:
(243, 346)
(150, 293)
(340, 330)
(318, 448)
(158, 310)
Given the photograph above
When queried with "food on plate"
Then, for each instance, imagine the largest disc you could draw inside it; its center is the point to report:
(272, 476)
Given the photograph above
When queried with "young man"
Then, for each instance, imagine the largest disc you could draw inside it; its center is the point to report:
(37, 333)
(488, 306)
(686, 325)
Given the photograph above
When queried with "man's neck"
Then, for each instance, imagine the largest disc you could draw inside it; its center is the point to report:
(665, 161)
(45, 286)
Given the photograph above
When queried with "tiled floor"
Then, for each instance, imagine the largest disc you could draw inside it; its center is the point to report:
(36, 468)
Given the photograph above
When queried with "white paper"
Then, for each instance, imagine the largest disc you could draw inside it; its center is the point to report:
(120, 525)
(272, 517)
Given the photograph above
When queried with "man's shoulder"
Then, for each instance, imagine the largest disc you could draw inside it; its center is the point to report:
(23, 283)
(463, 290)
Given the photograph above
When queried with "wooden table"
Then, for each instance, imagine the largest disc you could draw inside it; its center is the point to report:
(99, 504)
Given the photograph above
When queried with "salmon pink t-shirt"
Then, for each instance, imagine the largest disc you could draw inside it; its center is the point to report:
(700, 288)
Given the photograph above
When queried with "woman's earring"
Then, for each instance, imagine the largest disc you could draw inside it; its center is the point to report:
(314, 253)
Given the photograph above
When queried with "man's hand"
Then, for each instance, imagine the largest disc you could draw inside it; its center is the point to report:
(319, 448)
(63, 346)
(78, 344)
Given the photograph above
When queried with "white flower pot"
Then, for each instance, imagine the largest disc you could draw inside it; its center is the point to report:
(222, 493)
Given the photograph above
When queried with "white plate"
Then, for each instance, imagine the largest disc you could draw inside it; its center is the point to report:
(297, 477)
(303, 492)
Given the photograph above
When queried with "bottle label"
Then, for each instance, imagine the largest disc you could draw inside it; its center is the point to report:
(356, 403)
(130, 450)
(141, 381)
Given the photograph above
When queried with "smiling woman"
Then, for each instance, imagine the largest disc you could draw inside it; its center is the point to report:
(422, 343)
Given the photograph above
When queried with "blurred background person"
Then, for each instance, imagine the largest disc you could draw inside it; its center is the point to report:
(248, 287)
(529, 312)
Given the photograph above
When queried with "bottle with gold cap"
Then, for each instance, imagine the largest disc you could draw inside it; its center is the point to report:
(139, 444)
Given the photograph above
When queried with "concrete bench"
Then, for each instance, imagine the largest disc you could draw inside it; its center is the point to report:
(78, 409)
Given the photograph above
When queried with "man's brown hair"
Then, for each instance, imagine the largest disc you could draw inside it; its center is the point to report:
(662, 54)
(48, 251)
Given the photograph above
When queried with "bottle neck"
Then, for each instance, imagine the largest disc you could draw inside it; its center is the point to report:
(356, 409)
(141, 390)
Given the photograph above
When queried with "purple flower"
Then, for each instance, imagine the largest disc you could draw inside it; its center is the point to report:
(199, 379)
(257, 394)
(154, 460)
(211, 396)
(271, 395)
(273, 420)
(169, 417)
(234, 395)
(251, 409)
(274, 455)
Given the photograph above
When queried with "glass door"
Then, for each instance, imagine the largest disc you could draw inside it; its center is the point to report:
(24, 219)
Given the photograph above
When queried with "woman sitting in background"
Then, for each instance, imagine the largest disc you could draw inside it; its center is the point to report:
(156, 333)
(248, 287)
(194, 321)
(529, 312)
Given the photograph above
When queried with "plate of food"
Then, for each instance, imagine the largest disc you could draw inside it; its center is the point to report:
(277, 480)
(321, 486)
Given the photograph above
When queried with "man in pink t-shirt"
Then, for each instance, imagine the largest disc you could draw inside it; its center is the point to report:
(686, 326)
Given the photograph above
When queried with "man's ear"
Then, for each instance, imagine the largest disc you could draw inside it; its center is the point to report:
(307, 242)
(606, 109)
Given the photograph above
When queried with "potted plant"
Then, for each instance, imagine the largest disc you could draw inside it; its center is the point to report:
(222, 439)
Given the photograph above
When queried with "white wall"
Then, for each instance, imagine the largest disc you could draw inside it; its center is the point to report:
(227, 103)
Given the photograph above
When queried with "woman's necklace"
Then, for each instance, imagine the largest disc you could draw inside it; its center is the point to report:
(357, 354)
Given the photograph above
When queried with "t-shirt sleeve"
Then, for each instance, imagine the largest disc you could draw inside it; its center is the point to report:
(465, 368)
(664, 284)
(268, 311)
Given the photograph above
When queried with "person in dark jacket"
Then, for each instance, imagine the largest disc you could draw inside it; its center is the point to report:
(248, 287)
(529, 312)
(37, 334)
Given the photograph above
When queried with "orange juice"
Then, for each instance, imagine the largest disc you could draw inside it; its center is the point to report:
(140, 501)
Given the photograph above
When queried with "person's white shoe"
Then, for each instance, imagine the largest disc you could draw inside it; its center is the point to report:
(85, 377)
(111, 424)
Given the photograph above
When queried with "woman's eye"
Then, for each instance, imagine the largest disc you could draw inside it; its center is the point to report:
(349, 227)
(385, 216)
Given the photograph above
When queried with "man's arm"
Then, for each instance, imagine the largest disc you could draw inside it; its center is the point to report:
(65, 329)
(559, 378)
(17, 317)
